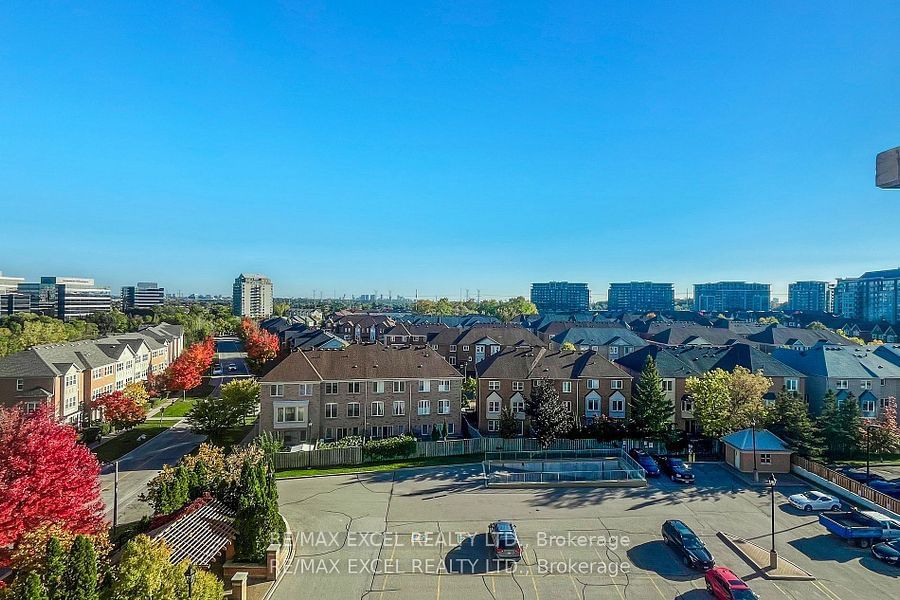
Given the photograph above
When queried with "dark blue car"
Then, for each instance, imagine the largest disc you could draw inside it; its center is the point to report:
(677, 470)
(888, 488)
(646, 461)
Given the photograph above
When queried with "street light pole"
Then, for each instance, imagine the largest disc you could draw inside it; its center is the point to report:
(773, 555)
(753, 434)
(116, 500)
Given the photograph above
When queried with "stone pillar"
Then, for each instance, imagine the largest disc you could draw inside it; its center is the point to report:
(773, 560)
(239, 586)
(273, 559)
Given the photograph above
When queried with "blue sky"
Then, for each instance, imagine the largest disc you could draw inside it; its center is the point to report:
(438, 146)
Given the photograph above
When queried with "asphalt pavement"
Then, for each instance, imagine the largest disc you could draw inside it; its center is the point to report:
(229, 352)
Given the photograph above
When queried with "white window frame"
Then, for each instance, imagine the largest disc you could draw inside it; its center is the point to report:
(493, 425)
(465, 348)
(276, 390)
(352, 414)
(377, 409)
(566, 387)
(452, 347)
(792, 385)
(424, 385)
(616, 384)
(493, 385)
(330, 385)
(842, 384)
(423, 408)
(443, 407)
(354, 387)
(20, 385)
(518, 386)
(593, 384)
(331, 410)
(399, 386)
(443, 385)
(398, 408)
(378, 387)
(616, 401)
(493, 406)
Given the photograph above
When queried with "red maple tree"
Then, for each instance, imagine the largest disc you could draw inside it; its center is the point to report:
(46, 477)
(120, 410)
(187, 371)
(260, 345)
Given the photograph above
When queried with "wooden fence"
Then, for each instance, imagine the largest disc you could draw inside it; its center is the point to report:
(336, 457)
(855, 487)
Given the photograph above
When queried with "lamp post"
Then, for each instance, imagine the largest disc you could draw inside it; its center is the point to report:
(190, 575)
(753, 435)
(773, 555)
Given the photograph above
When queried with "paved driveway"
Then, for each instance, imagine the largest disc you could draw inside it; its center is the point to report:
(420, 534)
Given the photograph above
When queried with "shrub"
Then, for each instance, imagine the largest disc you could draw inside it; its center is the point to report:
(388, 448)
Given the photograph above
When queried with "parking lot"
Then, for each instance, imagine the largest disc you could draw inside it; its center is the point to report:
(421, 534)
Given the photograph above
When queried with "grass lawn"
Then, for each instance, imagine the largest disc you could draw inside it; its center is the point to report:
(231, 437)
(874, 459)
(384, 466)
(179, 408)
(126, 442)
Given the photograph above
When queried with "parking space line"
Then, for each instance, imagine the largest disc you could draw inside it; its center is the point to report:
(571, 577)
(826, 590)
(659, 591)
(614, 584)
(387, 571)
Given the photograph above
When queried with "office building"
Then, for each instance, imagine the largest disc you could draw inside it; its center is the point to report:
(723, 296)
(874, 296)
(67, 297)
(12, 302)
(252, 296)
(560, 296)
(144, 295)
(9, 284)
(641, 296)
(809, 296)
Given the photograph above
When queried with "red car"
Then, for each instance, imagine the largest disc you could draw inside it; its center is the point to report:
(723, 584)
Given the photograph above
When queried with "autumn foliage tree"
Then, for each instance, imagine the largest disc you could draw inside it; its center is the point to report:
(260, 345)
(187, 371)
(120, 410)
(46, 476)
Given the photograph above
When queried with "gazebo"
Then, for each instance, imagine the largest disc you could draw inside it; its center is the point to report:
(760, 449)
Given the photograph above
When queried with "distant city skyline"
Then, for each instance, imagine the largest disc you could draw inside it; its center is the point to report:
(438, 146)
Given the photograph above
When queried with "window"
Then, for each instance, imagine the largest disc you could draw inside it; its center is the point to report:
(687, 404)
(452, 360)
(424, 407)
(399, 387)
(865, 384)
(593, 384)
(444, 407)
(869, 406)
(444, 385)
(452, 347)
(434, 346)
(791, 385)
(617, 404)
(842, 384)
(353, 409)
(424, 385)
(378, 409)
(465, 348)
(518, 404)
(331, 410)
(566, 387)
(568, 405)
(354, 387)
(479, 349)
(377, 387)
(331, 388)
(765, 459)
(613, 352)
(399, 408)
(883, 382)
(592, 404)
(290, 414)
(616, 384)
(495, 349)
(493, 385)
(668, 385)
(30, 407)
(493, 426)
(276, 390)
(451, 428)
(518, 386)
(493, 406)
(20, 385)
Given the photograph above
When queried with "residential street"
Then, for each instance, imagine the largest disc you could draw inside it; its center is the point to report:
(229, 353)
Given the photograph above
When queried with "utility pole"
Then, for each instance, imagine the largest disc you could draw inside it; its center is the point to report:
(116, 500)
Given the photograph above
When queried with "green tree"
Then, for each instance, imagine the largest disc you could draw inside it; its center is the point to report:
(252, 514)
(793, 424)
(469, 389)
(81, 570)
(712, 403)
(851, 422)
(242, 395)
(281, 308)
(55, 570)
(33, 589)
(568, 347)
(651, 410)
(816, 325)
(145, 572)
(768, 321)
(548, 418)
(829, 424)
(206, 587)
(213, 416)
(509, 425)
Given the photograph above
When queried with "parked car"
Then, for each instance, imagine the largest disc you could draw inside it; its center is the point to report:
(691, 548)
(646, 461)
(232, 368)
(889, 552)
(723, 584)
(888, 488)
(860, 476)
(862, 527)
(217, 370)
(504, 541)
(677, 470)
(813, 500)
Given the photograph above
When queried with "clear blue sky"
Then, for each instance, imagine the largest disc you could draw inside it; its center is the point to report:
(436, 146)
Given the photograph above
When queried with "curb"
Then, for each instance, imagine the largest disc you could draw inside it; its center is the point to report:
(761, 571)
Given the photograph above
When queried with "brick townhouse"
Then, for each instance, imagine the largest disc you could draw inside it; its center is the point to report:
(359, 327)
(363, 389)
(69, 374)
(465, 348)
(588, 384)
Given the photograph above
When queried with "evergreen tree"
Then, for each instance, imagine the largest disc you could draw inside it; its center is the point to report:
(794, 425)
(851, 421)
(509, 425)
(81, 570)
(32, 588)
(145, 572)
(547, 414)
(651, 411)
(252, 519)
(830, 424)
(55, 570)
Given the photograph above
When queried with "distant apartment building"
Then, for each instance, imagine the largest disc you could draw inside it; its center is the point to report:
(809, 296)
(365, 389)
(11, 301)
(723, 296)
(641, 296)
(252, 296)
(874, 296)
(144, 295)
(560, 296)
(67, 297)
(68, 375)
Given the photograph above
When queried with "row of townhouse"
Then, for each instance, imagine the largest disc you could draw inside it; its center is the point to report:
(467, 348)
(589, 385)
(68, 375)
(362, 389)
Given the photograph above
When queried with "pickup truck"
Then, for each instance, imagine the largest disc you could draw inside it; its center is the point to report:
(863, 527)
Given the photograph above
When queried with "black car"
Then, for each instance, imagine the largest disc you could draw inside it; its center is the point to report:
(646, 461)
(692, 550)
(677, 470)
(860, 476)
(889, 552)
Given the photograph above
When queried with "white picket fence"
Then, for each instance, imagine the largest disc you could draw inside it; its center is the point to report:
(336, 457)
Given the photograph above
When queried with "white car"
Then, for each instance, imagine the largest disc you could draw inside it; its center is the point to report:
(813, 500)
